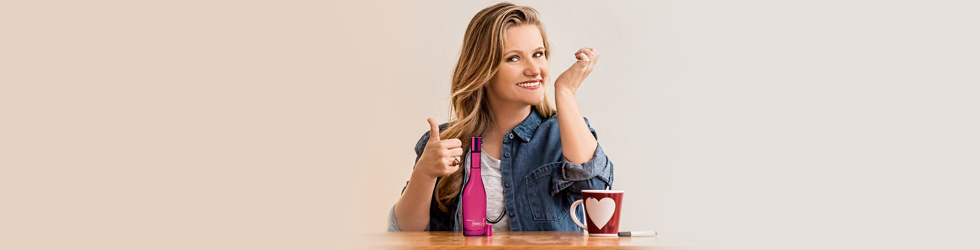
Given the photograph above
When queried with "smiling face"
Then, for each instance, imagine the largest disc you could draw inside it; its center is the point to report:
(521, 77)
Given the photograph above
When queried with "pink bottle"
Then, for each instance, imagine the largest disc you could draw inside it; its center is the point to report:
(474, 196)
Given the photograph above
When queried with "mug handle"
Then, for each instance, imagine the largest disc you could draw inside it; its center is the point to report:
(571, 211)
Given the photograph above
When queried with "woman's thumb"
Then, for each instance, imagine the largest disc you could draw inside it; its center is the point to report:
(433, 130)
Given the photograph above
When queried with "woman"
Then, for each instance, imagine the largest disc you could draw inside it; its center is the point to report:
(536, 160)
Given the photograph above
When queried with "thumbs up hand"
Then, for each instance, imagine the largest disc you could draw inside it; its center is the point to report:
(440, 157)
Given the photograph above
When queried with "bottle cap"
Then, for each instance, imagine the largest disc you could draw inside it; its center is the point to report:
(476, 143)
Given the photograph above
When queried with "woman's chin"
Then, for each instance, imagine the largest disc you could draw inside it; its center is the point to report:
(535, 102)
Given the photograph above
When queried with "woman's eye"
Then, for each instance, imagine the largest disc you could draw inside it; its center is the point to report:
(512, 59)
(538, 54)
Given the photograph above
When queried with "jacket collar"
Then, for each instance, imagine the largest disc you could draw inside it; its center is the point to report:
(526, 129)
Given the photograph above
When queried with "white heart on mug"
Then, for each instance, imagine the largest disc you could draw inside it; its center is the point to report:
(600, 211)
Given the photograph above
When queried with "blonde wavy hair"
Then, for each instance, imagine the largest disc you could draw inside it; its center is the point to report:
(482, 53)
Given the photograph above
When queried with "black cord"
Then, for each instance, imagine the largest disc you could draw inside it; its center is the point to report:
(502, 212)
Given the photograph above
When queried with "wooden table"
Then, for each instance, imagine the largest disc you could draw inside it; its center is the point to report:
(509, 240)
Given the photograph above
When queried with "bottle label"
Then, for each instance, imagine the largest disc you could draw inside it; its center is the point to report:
(476, 223)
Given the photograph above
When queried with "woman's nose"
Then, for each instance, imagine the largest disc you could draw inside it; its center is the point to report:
(531, 68)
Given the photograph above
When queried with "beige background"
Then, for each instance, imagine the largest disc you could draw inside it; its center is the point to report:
(289, 124)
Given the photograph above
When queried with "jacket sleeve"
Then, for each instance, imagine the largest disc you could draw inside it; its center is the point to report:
(392, 222)
(597, 173)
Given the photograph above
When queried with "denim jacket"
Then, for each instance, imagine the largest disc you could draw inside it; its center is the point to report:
(539, 183)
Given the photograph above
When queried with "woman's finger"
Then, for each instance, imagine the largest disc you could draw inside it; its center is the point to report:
(456, 152)
(592, 53)
(433, 130)
(450, 160)
(582, 57)
(595, 57)
(452, 143)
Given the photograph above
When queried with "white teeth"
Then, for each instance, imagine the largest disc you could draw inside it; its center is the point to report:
(528, 85)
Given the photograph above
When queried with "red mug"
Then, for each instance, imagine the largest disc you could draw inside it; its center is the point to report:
(601, 211)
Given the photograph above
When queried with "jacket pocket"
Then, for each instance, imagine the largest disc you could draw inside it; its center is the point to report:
(544, 206)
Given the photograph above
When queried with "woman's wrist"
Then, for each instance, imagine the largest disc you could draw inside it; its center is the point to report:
(559, 91)
(419, 175)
